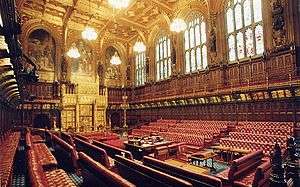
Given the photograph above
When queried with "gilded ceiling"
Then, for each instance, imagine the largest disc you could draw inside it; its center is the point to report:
(140, 16)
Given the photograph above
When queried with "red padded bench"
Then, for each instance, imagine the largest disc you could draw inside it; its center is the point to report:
(144, 176)
(258, 178)
(95, 174)
(241, 167)
(197, 179)
(8, 148)
(38, 177)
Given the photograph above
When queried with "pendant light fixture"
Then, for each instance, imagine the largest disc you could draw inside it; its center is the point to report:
(115, 59)
(89, 33)
(139, 47)
(73, 52)
(119, 4)
(178, 25)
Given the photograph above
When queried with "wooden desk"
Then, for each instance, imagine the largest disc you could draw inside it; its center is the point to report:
(203, 156)
(139, 151)
(230, 151)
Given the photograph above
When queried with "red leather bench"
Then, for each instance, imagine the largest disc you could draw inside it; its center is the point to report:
(45, 157)
(8, 148)
(96, 153)
(38, 177)
(197, 179)
(241, 167)
(258, 178)
(95, 174)
(141, 175)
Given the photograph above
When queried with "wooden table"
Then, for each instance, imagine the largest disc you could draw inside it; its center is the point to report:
(203, 156)
(139, 151)
(230, 151)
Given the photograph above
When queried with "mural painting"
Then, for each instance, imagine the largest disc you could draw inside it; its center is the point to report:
(83, 64)
(41, 50)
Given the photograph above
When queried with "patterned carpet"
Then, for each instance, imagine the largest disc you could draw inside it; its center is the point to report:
(78, 180)
(20, 170)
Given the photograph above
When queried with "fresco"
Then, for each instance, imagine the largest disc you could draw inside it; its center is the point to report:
(83, 65)
(41, 49)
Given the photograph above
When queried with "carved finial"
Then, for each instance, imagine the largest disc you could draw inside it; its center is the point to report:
(277, 173)
(292, 164)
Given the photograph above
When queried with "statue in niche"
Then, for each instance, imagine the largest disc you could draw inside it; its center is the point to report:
(173, 60)
(147, 66)
(128, 71)
(213, 41)
(213, 46)
(41, 49)
(64, 69)
(83, 64)
(279, 32)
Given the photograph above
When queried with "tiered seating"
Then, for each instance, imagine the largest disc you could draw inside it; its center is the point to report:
(247, 145)
(271, 125)
(8, 149)
(145, 176)
(270, 131)
(95, 174)
(189, 139)
(197, 179)
(100, 136)
(255, 136)
(192, 132)
(258, 137)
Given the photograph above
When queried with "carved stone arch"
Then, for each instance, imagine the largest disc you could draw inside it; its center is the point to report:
(161, 28)
(141, 37)
(111, 42)
(192, 7)
(119, 47)
(35, 24)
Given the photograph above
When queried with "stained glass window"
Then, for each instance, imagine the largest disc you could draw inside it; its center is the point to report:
(244, 29)
(194, 43)
(163, 58)
(140, 68)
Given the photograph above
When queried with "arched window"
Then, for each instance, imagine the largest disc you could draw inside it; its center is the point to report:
(195, 48)
(244, 29)
(163, 58)
(140, 68)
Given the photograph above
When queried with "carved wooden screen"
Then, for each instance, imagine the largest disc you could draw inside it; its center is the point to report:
(68, 119)
(85, 117)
